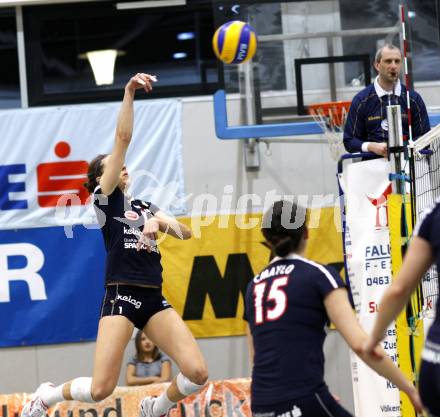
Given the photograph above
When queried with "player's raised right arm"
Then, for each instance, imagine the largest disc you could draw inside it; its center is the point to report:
(124, 131)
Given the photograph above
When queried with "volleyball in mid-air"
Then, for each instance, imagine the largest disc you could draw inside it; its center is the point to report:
(234, 42)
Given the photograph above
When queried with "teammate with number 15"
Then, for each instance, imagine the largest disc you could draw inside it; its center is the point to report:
(287, 307)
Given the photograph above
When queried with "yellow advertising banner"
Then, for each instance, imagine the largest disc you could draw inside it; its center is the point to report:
(229, 398)
(409, 329)
(205, 278)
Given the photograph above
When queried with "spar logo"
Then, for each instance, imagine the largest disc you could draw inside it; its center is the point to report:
(380, 203)
(54, 179)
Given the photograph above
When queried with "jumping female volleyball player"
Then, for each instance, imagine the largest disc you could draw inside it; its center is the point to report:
(423, 250)
(133, 280)
(287, 306)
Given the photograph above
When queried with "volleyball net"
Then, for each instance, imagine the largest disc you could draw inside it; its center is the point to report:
(426, 191)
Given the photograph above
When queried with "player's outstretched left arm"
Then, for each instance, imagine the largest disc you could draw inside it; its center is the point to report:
(341, 314)
(416, 262)
(170, 225)
(164, 223)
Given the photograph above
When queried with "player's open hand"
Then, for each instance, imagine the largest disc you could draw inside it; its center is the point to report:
(141, 80)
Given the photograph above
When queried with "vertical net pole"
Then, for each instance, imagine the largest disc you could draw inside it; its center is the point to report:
(408, 140)
(406, 70)
(408, 344)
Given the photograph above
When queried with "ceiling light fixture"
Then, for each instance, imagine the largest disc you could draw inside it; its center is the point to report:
(9, 3)
(179, 55)
(148, 4)
(185, 36)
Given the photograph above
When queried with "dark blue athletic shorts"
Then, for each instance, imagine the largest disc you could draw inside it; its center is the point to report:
(137, 304)
(429, 386)
(318, 404)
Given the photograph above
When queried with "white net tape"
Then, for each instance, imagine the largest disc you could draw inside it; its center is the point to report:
(422, 142)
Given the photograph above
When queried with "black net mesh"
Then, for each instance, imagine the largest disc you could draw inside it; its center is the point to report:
(427, 191)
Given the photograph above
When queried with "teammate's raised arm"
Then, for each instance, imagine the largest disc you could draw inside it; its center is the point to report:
(342, 316)
(416, 262)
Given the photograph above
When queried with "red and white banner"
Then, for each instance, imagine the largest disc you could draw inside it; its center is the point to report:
(45, 155)
(229, 398)
(366, 186)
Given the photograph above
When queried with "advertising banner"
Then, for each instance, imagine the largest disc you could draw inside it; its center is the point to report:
(229, 398)
(46, 151)
(51, 284)
(367, 186)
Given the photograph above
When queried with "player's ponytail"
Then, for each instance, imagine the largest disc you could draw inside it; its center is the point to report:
(284, 246)
(284, 226)
(95, 170)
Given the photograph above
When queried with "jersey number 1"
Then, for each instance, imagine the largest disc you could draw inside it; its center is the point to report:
(277, 294)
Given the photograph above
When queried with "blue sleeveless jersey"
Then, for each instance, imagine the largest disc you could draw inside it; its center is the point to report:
(428, 228)
(287, 318)
(121, 220)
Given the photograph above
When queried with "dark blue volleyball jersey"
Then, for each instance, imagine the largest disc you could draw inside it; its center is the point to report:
(428, 228)
(121, 220)
(367, 117)
(287, 318)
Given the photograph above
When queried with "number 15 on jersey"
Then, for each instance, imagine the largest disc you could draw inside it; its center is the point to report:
(276, 293)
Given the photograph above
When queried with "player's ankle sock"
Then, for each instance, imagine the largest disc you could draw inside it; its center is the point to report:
(51, 396)
(81, 390)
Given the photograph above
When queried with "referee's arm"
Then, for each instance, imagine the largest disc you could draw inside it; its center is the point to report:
(420, 118)
(354, 130)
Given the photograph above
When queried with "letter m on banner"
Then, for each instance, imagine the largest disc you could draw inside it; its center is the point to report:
(224, 292)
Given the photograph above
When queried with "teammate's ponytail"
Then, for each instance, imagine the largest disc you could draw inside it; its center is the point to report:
(283, 247)
(284, 226)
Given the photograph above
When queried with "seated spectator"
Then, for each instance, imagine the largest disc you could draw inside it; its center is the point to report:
(149, 365)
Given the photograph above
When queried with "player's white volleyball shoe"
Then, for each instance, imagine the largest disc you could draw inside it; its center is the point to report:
(36, 407)
(146, 406)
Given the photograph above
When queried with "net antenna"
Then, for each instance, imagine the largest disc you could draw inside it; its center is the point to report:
(331, 117)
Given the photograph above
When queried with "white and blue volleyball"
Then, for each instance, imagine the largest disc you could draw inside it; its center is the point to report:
(234, 42)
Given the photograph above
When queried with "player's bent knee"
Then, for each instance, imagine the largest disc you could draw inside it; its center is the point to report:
(102, 391)
(186, 386)
(200, 375)
(100, 394)
(197, 373)
(189, 386)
